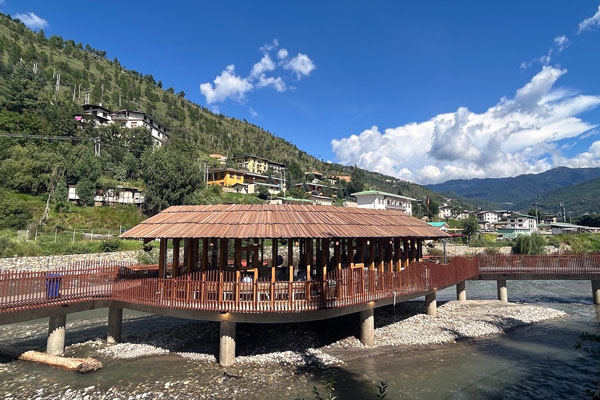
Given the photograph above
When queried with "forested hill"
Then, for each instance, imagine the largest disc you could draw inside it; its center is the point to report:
(29, 104)
(513, 192)
(579, 199)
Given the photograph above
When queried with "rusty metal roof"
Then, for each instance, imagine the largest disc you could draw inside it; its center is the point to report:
(241, 221)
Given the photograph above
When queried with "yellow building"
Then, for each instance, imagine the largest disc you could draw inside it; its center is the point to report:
(258, 165)
(226, 177)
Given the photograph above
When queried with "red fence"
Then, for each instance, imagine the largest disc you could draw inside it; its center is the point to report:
(223, 290)
(584, 264)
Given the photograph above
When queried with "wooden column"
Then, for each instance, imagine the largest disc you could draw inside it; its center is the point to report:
(186, 255)
(175, 267)
(397, 265)
(350, 252)
(413, 250)
(274, 256)
(324, 256)
(372, 254)
(419, 250)
(223, 253)
(237, 263)
(309, 257)
(162, 258)
(381, 250)
(204, 254)
(291, 259)
(405, 246)
(337, 254)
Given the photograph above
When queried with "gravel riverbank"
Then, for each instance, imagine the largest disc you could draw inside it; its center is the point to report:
(279, 356)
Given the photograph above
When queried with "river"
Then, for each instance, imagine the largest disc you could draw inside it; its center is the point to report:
(531, 362)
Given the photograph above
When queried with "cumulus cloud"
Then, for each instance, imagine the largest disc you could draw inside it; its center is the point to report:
(229, 85)
(517, 135)
(32, 21)
(590, 23)
(301, 65)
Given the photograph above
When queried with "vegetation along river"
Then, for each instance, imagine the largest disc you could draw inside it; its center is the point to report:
(531, 362)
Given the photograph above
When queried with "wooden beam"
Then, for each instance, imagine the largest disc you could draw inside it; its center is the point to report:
(175, 267)
(148, 240)
(337, 253)
(162, 258)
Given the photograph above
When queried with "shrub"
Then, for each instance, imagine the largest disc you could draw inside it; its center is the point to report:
(529, 244)
(110, 245)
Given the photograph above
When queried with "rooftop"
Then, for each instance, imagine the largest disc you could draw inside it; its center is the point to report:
(258, 158)
(367, 192)
(245, 221)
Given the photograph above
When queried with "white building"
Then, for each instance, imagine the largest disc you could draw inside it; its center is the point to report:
(463, 215)
(383, 201)
(118, 195)
(487, 217)
(137, 119)
(128, 119)
(522, 221)
(445, 212)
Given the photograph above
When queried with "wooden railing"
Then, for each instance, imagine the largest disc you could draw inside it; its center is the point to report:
(223, 290)
(516, 264)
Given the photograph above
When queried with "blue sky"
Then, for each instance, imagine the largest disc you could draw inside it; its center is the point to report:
(425, 91)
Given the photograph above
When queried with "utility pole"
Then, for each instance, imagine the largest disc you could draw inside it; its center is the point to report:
(564, 214)
(537, 219)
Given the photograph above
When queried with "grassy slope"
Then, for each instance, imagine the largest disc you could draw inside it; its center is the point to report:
(579, 199)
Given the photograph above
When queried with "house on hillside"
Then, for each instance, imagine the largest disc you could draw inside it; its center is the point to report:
(487, 219)
(522, 221)
(560, 228)
(219, 157)
(316, 188)
(259, 165)
(129, 119)
(383, 201)
(242, 181)
(463, 215)
(112, 196)
(445, 211)
(321, 200)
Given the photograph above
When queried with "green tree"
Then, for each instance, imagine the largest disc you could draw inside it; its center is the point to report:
(529, 244)
(357, 180)
(86, 190)
(469, 227)
(61, 195)
(171, 176)
(263, 193)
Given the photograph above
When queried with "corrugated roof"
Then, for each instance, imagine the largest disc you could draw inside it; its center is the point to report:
(280, 221)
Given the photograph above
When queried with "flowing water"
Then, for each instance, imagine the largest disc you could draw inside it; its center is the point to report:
(532, 362)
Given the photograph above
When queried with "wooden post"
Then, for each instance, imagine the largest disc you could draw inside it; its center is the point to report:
(397, 265)
(204, 254)
(324, 256)
(274, 256)
(371, 254)
(419, 250)
(175, 267)
(337, 254)
(187, 260)
(162, 258)
(309, 257)
(350, 254)
(237, 262)
(405, 246)
(381, 255)
(291, 259)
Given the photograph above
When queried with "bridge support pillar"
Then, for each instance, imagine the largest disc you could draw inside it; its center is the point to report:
(227, 343)
(461, 291)
(502, 291)
(596, 292)
(56, 335)
(367, 327)
(115, 322)
(431, 304)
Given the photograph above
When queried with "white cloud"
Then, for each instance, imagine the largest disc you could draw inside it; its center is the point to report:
(301, 65)
(590, 23)
(32, 21)
(517, 135)
(264, 65)
(229, 85)
(559, 44)
(282, 54)
(253, 112)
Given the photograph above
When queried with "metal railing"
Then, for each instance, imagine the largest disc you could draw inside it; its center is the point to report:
(517, 264)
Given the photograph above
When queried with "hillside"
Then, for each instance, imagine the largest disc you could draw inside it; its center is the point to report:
(517, 192)
(578, 199)
(27, 55)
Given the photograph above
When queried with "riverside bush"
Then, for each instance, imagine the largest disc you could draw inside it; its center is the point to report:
(529, 244)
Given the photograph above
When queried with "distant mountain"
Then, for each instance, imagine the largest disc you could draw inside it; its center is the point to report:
(520, 191)
(578, 199)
